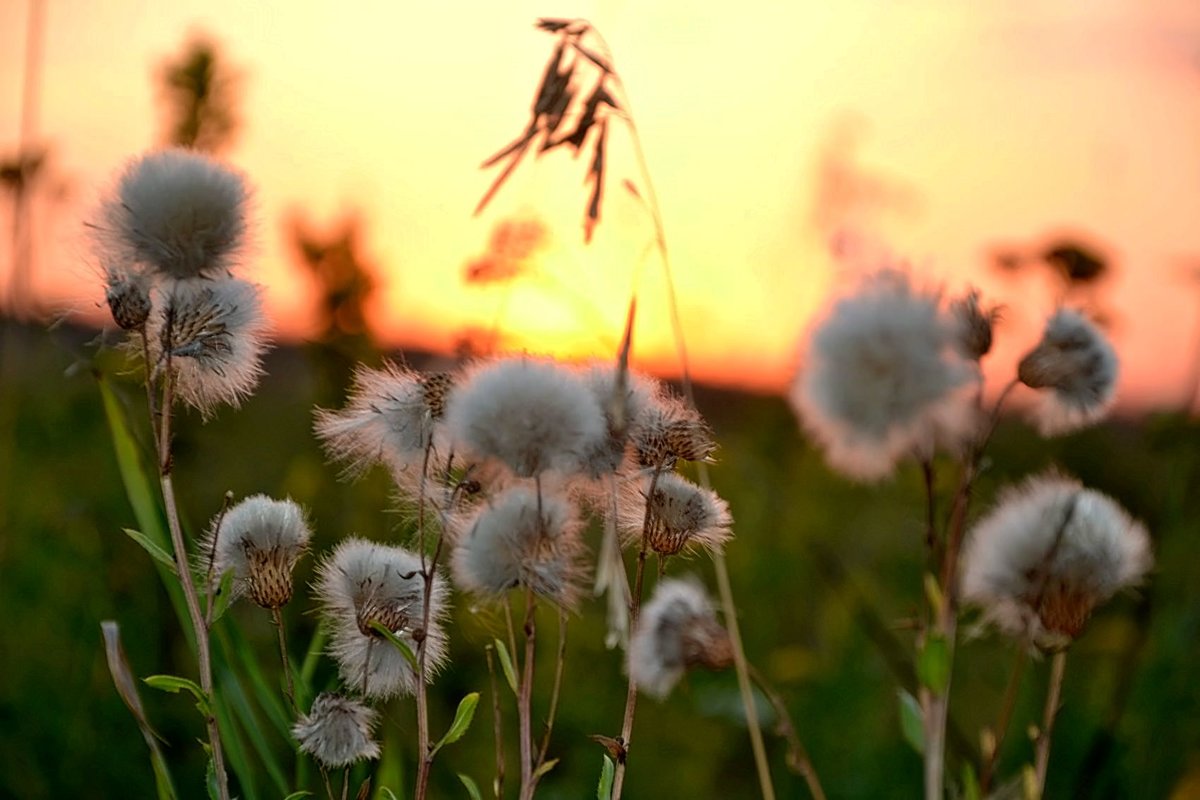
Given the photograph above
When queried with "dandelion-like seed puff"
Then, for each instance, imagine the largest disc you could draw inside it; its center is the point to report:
(1047, 554)
(682, 516)
(261, 540)
(1075, 369)
(391, 418)
(212, 334)
(882, 379)
(624, 410)
(532, 416)
(519, 539)
(177, 215)
(362, 583)
(336, 731)
(676, 631)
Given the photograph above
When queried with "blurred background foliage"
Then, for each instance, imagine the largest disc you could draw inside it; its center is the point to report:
(826, 574)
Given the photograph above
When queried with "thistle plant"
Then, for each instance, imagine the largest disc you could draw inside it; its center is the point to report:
(892, 373)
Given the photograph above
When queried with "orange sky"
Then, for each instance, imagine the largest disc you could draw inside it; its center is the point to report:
(991, 122)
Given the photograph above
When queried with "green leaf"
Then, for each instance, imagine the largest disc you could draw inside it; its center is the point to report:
(545, 768)
(607, 771)
(970, 784)
(506, 664)
(912, 721)
(210, 780)
(933, 664)
(224, 595)
(933, 593)
(298, 795)
(396, 641)
(174, 684)
(472, 789)
(163, 787)
(388, 794)
(157, 553)
(462, 721)
(234, 698)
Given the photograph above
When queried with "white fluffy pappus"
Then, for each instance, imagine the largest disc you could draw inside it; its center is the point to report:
(1047, 554)
(260, 539)
(507, 543)
(336, 731)
(676, 631)
(884, 378)
(668, 431)
(682, 515)
(362, 582)
(391, 418)
(1075, 369)
(177, 213)
(624, 408)
(213, 335)
(531, 415)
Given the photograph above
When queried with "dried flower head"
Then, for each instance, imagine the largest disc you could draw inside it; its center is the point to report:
(212, 335)
(128, 297)
(336, 732)
(1047, 554)
(677, 515)
(362, 583)
(669, 430)
(1077, 368)
(624, 403)
(882, 378)
(676, 631)
(519, 539)
(178, 214)
(390, 418)
(972, 326)
(530, 415)
(261, 540)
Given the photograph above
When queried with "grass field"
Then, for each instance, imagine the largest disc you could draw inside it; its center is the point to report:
(825, 572)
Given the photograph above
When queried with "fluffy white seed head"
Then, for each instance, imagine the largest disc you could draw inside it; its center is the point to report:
(668, 431)
(1047, 554)
(214, 333)
(884, 379)
(128, 296)
(391, 418)
(676, 631)
(363, 582)
(261, 540)
(177, 214)
(531, 415)
(507, 543)
(972, 326)
(1076, 368)
(624, 408)
(682, 516)
(336, 732)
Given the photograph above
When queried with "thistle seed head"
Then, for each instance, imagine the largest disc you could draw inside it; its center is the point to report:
(676, 631)
(260, 540)
(336, 732)
(1075, 368)
(674, 514)
(128, 298)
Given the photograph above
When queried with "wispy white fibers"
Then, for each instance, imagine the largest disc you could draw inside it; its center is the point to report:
(883, 378)
(519, 539)
(683, 516)
(127, 293)
(212, 333)
(624, 408)
(336, 732)
(676, 631)
(178, 214)
(668, 431)
(1076, 369)
(390, 418)
(1047, 554)
(261, 540)
(972, 326)
(531, 415)
(363, 582)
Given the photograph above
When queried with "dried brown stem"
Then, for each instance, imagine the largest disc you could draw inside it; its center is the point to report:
(556, 689)
(1058, 667)
(497, 727)
(525, 697)
(1008, 705)
(277, 616)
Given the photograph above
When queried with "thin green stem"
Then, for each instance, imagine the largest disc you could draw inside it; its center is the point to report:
(797, 757)
(290, 686)
(525, 698)
(1007, 706)
(497, 725)
(1058, 667)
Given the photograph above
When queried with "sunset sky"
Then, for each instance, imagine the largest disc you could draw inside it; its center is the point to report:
(953, 129)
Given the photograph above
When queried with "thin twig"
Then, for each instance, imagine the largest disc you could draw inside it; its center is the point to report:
(556, 688)
(497, 729)
(277, 616)
(1011, 691)
(1058, 668)
(797, 757)
(524, 699)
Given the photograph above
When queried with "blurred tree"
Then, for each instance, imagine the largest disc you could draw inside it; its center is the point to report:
(344, 284)
(200, 95)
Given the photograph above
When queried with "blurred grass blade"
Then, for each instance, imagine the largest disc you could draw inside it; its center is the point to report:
(234, 694)
(506, 663)
(462, 721)
(911, 721)
(239, 653)
(396, 641)
(144, 499)
(472, 788)
(308, 668)
(156, 552)
(126, 684)
(298, 795)
(607, 772)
